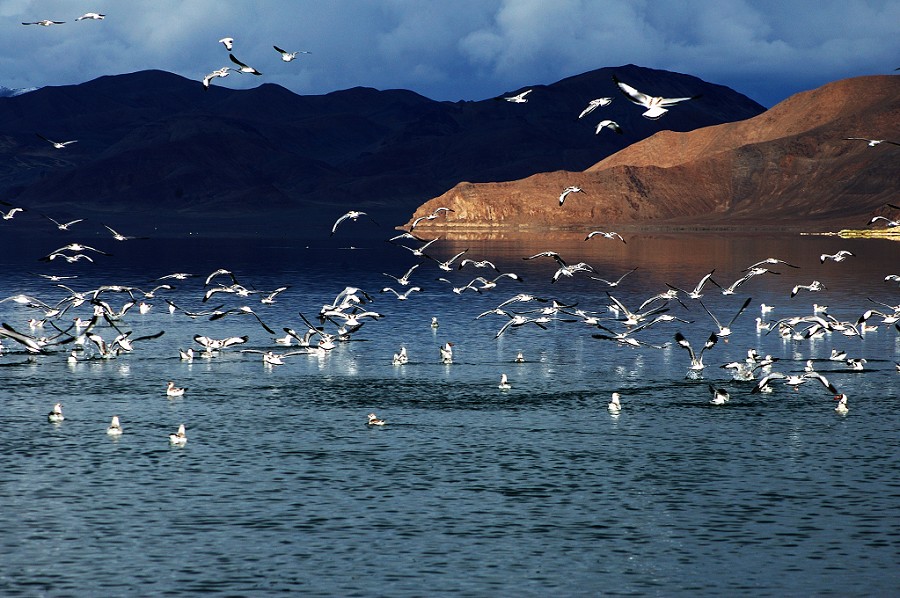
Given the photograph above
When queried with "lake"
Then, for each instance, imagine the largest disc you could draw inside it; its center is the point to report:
(468, 490)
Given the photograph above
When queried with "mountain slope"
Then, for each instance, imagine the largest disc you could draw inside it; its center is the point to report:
(791, 165)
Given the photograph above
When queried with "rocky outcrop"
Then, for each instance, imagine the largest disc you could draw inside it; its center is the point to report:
(790, 166)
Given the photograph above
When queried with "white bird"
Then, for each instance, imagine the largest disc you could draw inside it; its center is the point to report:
(726, 330)
(115, 428)
(179, 438)
(840, 256)
(608, 124)
(871, 142)
(504, 383)
(222, 72)
(656, 105)
(614, 406)
(696, 359)
(228, 42)
(856, 363)
(447, 353)
(401, 296)
(813, 286)
(9, 215)
(613, 283)
(719, 395)
(56, 415)
(516, 99)
(186, 355)
(289, 56)
(434, 214)
(567, 190)
(696, 293)
(403, 280)
(351, 215)
(243, 67)
(842, 404)
(401, 357)
(605, 235)
(174, 391)
(434, 322)
(62, 225)
(374, 421)
(94, 16)
(594, 104)
(44, 23)
(888, 222)
(57, 144)
(520, 357)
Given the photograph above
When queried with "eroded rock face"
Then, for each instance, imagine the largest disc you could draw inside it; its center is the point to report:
(790, 165)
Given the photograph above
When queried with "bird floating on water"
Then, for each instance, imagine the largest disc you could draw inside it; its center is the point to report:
(115, 428)
(174, 391)
(374, 421)
(179, 438)
(56, 415)
(614, 406)
(504, 383)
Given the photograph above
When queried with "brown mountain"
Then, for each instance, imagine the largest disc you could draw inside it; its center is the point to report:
(790, 166)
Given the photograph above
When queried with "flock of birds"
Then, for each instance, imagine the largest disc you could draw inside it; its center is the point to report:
(351, 309)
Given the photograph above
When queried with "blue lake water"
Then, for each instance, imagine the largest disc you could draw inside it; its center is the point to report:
(468, 490)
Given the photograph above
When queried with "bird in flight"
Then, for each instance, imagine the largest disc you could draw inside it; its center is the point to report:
(95, 16)
(44, 23)
(656, 105)
(871, 142)
(608, 124)
(228, 42)
(516, 99)
(244, 68)
(57, 144)
(594, 104)
(289, 56)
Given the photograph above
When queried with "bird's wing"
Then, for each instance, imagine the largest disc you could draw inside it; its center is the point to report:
(632, 94)
(236, 61)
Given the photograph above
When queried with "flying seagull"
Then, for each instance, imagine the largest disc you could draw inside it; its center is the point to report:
(228, 42)
(516, 99)
(567, 190)
(351, 215)
(871, 142)
(44, 23)
(62, 225)
(95, 16)
(656, 106)
(244, 68)
(608, 124)
(289, 56)
(222, 72)
(594, 104)
(57, 144)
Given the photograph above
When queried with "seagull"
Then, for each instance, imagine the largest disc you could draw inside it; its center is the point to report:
(567, 190)
(871, 142)
(62, 225)
(504, 383)
(613, 283)
(244, 68)
(813, 286)
(696, 359)
(447, 353)
(94, 16)
(351, 215)
(516, 99)
(889, 223)
(605, 235)
(9, 215)
(44, 23)
(403, 280)
(696, 293)
(720, 395)
(478, 264)
(56, 415)
(115, 428)
(608, 124)
(447, 266)
(434, 214)
(769, 260)
(228, 42)
(179, 438)
(840, 256)
(594, 104)
(401, 357)
(401, 296)
(119, 236)
(374, 421)
(841, 408)
(726, 330)
(174, 391)
(614, 406)
(222, 72)
(656, 106)
(288, 56)
(57, 144)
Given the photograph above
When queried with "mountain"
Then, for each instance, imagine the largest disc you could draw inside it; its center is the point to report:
(155, 145)
(8, 92)
(791, 166)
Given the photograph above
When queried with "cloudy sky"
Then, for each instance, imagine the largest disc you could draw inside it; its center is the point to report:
(458, 49)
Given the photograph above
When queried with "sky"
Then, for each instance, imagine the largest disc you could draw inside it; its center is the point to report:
(454, 50)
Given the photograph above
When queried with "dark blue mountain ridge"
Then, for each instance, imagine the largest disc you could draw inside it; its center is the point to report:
(155, 145)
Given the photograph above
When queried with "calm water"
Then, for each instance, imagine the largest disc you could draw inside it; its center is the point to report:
(469, 490)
